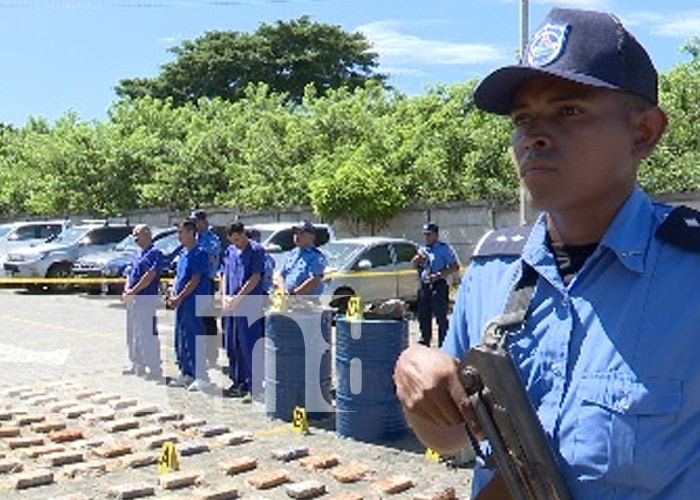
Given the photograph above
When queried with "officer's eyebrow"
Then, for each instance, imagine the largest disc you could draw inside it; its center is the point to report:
(579, 96)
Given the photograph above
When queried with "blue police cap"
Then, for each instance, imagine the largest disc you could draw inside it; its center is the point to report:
(430, 227)
(583, 46)
(305, 226)
(198, 214)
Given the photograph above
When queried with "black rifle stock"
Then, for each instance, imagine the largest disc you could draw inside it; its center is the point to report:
(509, 422)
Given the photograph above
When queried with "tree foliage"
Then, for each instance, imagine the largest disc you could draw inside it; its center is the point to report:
(356, 154)
(674, 165)
(287, 56)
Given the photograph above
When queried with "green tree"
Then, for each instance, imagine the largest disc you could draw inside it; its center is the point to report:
(357, 192)
(674, 165)
(287, 56)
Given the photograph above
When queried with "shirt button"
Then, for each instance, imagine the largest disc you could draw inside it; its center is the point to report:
(556, 369)
(565, 301)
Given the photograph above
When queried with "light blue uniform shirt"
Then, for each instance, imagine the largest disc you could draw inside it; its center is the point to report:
(439, 256)
(610, 361)
(301, 264)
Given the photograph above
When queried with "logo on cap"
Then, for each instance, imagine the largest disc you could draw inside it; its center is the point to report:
(547, 44)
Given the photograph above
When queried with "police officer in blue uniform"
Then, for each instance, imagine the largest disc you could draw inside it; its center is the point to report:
(211, 244)
(141, 298)
(302, 271)
(242, 287)
(435, 262)
(191, 285)
(608, 348)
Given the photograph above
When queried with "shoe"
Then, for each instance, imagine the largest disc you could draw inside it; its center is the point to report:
(199, 385)
(129, 371)
(181, 381)
(155, 377)
(140, 371)
(247, 399)
(234, 391)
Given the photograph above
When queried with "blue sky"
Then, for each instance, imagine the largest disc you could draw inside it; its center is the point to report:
(61, 55)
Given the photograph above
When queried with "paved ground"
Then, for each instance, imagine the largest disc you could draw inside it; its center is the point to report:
(62, 345)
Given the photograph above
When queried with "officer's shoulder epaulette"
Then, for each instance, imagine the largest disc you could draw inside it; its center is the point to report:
(504, 242)
(681, 228)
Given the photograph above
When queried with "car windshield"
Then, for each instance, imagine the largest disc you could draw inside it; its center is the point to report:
(126, 245)
(167, 244)
(337, 254)
(265, 235)
(71, 235)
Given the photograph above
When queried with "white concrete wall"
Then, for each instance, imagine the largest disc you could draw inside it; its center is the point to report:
(461, 224)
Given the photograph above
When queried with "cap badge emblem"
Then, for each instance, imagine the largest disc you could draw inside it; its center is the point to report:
(547, 44)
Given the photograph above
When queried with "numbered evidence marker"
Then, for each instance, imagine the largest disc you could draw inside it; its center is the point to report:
(355, 308)
(300, 422)
(432, 455)
(168, 460)
(278, 301)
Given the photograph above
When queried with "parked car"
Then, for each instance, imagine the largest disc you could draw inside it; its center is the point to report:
(113, 263)
(54, 259)
(15, 235)
(373, 268)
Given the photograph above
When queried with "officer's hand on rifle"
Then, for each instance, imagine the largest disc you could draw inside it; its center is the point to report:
(433, 398)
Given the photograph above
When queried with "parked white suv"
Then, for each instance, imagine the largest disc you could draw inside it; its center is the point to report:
(22, 234)
(55, 259)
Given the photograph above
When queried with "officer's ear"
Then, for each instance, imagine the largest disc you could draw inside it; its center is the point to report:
(649, 125)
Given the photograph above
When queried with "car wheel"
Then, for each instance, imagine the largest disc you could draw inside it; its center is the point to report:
(35, 289)
(59, 271)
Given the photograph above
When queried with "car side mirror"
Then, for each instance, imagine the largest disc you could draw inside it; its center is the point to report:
(364, 265)
(273, 248)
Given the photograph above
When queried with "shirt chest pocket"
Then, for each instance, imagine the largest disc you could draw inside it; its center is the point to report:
(621, 426)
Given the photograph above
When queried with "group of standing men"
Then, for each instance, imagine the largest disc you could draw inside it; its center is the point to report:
(246, 277)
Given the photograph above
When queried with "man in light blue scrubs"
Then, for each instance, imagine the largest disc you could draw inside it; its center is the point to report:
(242, 279)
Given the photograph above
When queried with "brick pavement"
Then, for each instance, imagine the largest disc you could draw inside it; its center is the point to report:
(60, 367)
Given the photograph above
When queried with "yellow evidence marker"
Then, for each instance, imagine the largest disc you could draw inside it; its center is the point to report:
(168, 460)
(300, 422)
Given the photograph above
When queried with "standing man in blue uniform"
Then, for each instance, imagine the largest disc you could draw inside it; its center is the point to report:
(191, 283)
(141, 298)
(242, 286)
(210, 243)
(435, 262)
(608, 348)
(302, 272)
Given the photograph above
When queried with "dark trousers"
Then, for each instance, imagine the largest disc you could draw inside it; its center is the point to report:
(211, 330)
(189, 342)
(240, 338)
(432, 301)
